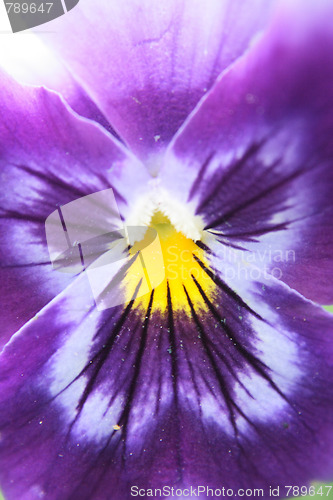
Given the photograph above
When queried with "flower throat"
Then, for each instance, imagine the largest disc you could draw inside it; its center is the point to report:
(184, 279)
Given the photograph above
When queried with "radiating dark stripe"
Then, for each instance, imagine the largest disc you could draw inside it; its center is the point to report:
(51, 180)
(101, 356)
(200, 176)
(230, 172)
(225, 288)
(254, 199)
(124, 417)
(203, 247)
(123, 420)
(222, 383)
(174, 375)
(256, 363)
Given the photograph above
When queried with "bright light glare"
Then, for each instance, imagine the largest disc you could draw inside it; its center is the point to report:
(25, 57)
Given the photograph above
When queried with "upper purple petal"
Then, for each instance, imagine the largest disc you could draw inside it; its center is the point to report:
(29, 61)
(147, 65)
(256, 157)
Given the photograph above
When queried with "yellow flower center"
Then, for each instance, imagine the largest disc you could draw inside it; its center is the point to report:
(172, 262)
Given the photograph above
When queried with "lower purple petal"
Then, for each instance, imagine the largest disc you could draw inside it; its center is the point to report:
(235, 392)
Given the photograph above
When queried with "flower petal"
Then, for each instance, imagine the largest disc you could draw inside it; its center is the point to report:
(149, 65)
(256, 158)
(30, 62)
(234, 393)
(49, 157)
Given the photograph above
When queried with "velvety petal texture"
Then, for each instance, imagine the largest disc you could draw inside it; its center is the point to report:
(152, 56)
(256, 158)
(49, 157)
(183, 358)
(231, 392)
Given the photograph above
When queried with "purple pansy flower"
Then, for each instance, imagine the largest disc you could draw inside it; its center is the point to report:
(212, 122)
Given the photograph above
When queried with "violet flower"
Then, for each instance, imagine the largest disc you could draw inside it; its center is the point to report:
(214, 125)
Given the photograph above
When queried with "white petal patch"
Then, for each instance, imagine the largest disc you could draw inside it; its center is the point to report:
(66, 364)
(211, 410)
(36, 491)
(62, 370)
(276, 347)
(143, 415)
(69, 399)
(99, 416)
(181, 215)
(271, 253)
(280, 354)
